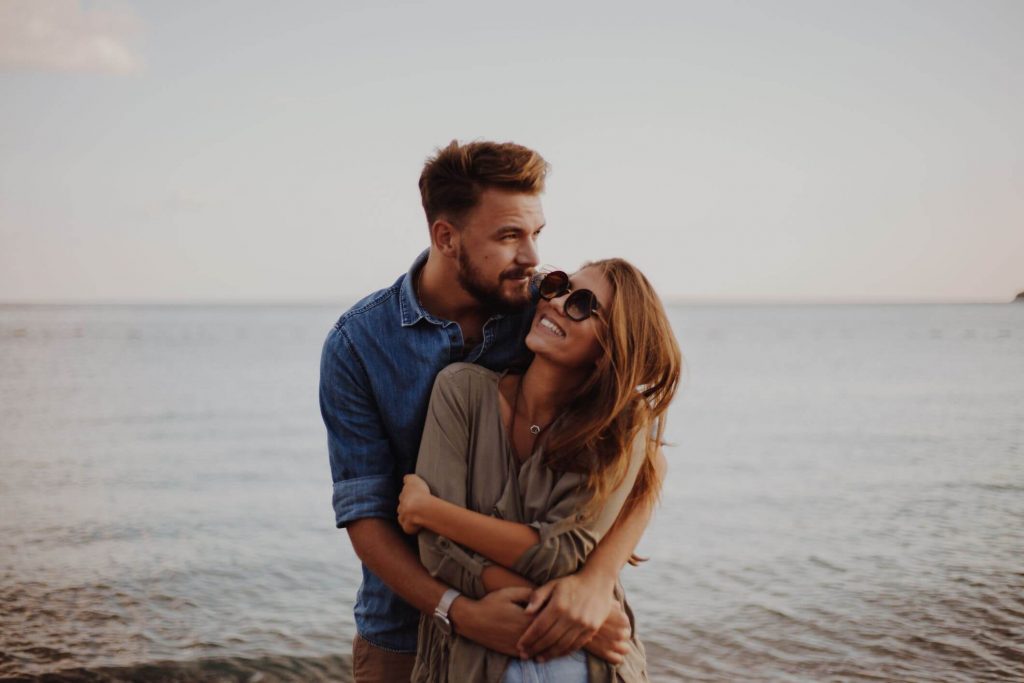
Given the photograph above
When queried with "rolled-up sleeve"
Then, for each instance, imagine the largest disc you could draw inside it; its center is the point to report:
(563, 546)
(456, 566)
(443, 464)
(362, 464)
(567, 535)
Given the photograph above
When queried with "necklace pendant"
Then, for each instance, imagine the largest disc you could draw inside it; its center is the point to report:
(535, 429)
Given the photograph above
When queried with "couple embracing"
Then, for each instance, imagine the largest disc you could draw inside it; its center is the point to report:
(494, 437)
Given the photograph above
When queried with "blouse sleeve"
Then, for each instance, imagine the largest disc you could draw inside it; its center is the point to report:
(442, 463)
(567, 535)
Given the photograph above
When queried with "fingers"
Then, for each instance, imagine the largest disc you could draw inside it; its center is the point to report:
(517, 594)
(582, 639)
(539, 598)
(564, 645)
(608, 649)
(407, 526)
(549, 636)
(614, 644)
(614, 655)
(542, 623)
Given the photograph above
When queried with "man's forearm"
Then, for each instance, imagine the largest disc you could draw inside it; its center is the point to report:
(617, 546)
(496, 622)
(383, 548)
(615, 549)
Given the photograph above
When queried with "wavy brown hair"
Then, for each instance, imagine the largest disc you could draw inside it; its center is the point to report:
(627, 395)
(453, 178)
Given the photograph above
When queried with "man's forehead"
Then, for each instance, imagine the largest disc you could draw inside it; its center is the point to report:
(523, 209)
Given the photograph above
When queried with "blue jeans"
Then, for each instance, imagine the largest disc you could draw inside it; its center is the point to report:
(571, 668)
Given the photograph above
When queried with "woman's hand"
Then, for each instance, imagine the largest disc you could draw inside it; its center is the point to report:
(569, 611)
(414, 497)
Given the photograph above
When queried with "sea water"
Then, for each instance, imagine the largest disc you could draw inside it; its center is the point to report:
(845, 499)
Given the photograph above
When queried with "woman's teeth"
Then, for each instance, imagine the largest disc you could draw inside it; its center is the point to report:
(548, 325)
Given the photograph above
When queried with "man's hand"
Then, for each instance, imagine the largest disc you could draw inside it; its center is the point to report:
(570, 611)
(611, 643)
(496, 621)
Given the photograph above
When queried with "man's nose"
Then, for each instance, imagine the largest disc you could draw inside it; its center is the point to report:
(527, 255)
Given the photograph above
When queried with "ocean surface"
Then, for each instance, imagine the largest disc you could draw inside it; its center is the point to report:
(845, 499)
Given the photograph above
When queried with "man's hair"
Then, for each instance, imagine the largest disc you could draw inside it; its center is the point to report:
(453, 178)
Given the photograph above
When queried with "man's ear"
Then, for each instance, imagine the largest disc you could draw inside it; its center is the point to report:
(445, 237)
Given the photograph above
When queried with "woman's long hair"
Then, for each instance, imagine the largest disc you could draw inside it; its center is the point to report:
(627, 395)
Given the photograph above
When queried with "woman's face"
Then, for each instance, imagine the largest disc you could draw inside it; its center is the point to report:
(562, 340)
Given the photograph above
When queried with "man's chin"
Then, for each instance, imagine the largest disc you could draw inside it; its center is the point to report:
(506, 300)
(515, 294)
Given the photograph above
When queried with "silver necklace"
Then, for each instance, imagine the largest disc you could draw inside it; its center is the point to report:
(534, 428)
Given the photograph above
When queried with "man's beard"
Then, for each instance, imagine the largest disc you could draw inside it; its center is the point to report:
(489, 295)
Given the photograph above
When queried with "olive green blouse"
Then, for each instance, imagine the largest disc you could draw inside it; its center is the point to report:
(465, 457)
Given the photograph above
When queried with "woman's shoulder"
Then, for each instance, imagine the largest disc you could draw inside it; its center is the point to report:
(464, 373)
(464, 387)
(465, 379)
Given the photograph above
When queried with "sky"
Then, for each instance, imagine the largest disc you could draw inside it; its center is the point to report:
(735, 151)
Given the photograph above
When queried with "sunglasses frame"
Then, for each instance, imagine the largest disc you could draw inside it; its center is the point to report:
(574, 296)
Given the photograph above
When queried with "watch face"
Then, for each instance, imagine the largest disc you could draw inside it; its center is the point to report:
(443, 624)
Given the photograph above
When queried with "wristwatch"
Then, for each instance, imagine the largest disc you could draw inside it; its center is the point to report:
(441, 619)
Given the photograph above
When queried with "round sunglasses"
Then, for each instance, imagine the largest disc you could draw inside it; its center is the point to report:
(581, 303)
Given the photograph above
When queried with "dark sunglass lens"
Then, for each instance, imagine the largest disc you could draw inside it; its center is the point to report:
(580, 304)
(554, 284)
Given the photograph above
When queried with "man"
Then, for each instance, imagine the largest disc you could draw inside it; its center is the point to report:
(467, 298)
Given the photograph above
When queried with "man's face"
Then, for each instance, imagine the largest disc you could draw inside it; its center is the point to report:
(498, 249)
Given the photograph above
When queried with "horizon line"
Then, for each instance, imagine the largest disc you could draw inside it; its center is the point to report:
(346, 302)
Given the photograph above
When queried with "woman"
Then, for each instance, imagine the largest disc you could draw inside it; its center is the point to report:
(519, 476)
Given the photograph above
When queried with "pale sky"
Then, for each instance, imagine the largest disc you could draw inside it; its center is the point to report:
(735, 151)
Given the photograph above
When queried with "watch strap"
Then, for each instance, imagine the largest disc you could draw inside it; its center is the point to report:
(445, 603)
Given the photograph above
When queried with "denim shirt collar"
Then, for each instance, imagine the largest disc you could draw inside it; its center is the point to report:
(412, 310)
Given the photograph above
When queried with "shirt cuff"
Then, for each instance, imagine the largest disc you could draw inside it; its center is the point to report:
(474, 564)
(364, 497)
(549, 530)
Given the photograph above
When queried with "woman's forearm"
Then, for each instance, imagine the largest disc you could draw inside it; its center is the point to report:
(496, 539)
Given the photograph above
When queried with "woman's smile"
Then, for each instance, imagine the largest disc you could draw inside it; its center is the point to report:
(549, 325)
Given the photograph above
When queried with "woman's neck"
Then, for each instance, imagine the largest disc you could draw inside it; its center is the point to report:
(547, 389)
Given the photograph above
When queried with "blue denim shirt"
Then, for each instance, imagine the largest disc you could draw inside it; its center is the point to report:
(376, 373)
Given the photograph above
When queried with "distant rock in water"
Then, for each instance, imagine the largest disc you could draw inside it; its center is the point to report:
(1020, 298)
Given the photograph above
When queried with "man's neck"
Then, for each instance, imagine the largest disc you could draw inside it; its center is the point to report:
(443, 297)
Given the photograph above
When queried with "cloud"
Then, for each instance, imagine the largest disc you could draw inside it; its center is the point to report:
(62, 35)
